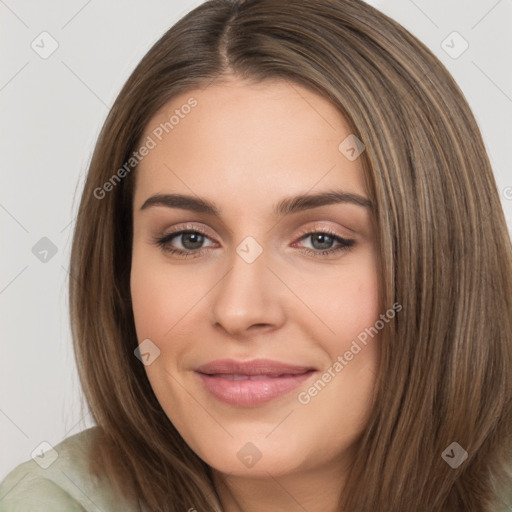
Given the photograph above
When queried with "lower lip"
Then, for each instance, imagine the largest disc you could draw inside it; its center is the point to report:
(250, 393)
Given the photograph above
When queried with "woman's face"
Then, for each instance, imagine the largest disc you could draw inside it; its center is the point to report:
(250, 330)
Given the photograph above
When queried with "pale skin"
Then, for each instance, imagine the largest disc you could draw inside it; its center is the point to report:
(245, 147)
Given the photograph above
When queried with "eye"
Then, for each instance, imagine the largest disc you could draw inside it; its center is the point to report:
(192, 241)
(322, 241)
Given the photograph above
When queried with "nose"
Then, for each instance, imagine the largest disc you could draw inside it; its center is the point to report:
(249, 297)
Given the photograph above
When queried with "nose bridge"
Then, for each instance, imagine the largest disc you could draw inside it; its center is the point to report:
(247, 293)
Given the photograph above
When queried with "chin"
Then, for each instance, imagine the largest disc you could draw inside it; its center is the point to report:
(256, 458)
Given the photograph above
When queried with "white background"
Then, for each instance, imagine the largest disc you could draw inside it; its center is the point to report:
(52, 110)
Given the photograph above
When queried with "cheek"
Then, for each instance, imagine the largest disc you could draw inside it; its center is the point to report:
(148, 301)
(161, 301)
(160, 298)
(345, 301)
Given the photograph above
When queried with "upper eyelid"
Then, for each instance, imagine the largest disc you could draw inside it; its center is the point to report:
(181, 229)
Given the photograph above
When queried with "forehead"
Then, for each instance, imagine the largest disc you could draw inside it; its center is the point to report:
(242, 140)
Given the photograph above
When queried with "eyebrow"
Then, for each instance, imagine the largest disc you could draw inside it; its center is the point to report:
(286, 206)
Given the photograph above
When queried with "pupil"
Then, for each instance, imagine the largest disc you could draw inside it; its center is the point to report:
(196, 244)
(324, 237)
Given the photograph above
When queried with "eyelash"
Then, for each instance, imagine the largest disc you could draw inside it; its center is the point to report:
(163, 242)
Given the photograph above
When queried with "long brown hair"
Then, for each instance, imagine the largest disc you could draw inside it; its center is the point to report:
(446, 360)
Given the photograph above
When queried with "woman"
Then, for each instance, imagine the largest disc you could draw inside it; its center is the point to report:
(291, 279)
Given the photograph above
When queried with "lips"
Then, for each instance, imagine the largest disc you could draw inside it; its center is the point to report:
(256, 367)
(251, 383)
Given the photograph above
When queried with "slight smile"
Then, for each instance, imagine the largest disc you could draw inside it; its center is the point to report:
(251, 383)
